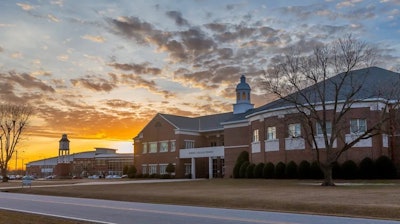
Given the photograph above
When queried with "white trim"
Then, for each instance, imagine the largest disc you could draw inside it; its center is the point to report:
(201, 152)
(279, 111)
(271, 145)
(255, 147)
(236, 146)
(186, 132)
(294, 144)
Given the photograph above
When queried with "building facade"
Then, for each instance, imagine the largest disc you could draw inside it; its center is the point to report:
(99, 162)
(208, 146)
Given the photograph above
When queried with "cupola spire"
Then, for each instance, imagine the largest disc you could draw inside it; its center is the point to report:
(243, 102)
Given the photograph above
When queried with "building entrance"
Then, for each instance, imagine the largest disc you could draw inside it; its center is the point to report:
(218, 168)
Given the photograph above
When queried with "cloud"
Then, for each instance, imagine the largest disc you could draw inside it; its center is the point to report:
(94, 83)
(25, 6)
(134, 28)
(137, 68)
(1, 49)
(25, 80)
(177, 16)
(16, 55)
(97, 39)
(137, 81)
(63, 57)
(349, 3)
(53, 18)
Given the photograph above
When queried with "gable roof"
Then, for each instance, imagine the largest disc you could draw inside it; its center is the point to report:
(203, 123)
(376, 83)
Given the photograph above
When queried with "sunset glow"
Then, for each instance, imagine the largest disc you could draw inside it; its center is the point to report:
(98, 71)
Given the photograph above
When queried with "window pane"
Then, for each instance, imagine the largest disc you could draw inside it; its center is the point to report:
(255, 136)
(172, 146)
(153, 147)
(294, 130)
(271, 133)
(164, 147)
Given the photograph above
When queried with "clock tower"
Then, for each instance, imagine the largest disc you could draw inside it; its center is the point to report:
(63, 150)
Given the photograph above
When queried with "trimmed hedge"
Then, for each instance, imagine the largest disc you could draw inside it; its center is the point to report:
(304, 170)
(243, 157)
(315, 171)
(367, 168)
(243, 169)
(291, 170)
(250, 170)
(269, 170)
(280, 170)
(258, 171)
(385, 168)
(349, 169)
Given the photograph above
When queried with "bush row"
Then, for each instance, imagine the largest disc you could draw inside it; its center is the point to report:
(381, 168)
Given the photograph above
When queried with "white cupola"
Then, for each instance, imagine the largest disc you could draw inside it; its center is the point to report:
(243, 102)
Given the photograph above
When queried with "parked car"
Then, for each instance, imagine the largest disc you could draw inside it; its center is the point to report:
(93, 177)
(28, 177)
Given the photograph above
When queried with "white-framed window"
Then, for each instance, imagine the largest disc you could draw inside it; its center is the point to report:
(152, 147)
(358, 126)
(271, 133)
(163, 168)
(164, 146)
(152, 169)
(144, 169)
(189, 144)
(173, 146)
(256, 137)
(294, 130)
(144, 148)
(188, 168)
(328, 128)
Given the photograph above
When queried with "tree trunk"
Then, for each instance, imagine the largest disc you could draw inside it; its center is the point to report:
(4, 175)
(328, 180)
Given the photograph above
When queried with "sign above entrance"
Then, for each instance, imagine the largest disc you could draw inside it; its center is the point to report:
(201, 152)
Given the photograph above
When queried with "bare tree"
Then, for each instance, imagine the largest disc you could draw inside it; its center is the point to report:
(322, 88)
(13, 122)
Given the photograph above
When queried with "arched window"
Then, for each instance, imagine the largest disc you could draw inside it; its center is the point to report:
(244, 96)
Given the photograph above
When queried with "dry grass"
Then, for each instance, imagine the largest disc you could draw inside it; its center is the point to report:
(375, 199)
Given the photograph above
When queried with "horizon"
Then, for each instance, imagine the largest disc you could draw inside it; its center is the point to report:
(98, 71)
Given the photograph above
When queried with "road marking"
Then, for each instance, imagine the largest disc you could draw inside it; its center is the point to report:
(57, 216)
(164, 212)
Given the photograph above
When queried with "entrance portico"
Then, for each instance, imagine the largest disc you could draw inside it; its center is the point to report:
(208, 152)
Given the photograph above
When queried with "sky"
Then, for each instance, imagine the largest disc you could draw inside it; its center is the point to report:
(99, 70)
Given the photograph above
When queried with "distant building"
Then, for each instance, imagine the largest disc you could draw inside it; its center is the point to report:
(101, 162)
(208, 146)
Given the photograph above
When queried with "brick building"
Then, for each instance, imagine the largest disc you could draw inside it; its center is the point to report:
(101, 161)
(208, 146)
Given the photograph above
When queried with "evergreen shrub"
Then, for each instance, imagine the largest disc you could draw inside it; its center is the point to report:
(315, 171)
(258, 171)
(304, 170)
(243, 157)
(269, 170)
(250, 170)
(291, 170)
(349, 170)
(385, 168)
(280, 170)
(243, 169)
(367, 168)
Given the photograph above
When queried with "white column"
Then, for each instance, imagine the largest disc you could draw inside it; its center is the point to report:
(210, 168)
(193, 168)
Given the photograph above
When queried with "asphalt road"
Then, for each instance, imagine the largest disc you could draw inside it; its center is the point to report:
(105, 211)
